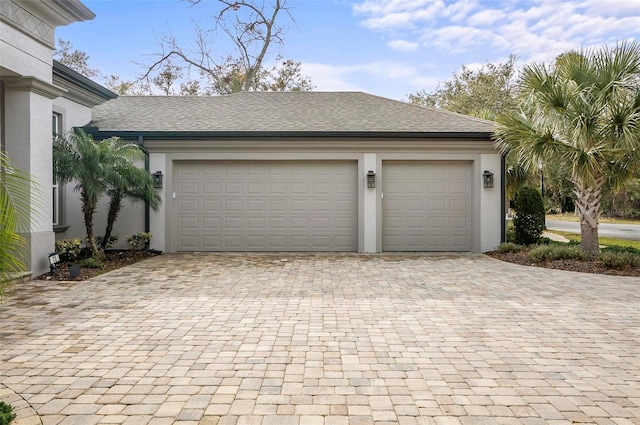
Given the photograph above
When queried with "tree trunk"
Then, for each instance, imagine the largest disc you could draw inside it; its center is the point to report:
(114, 208)
(588, 208)
(88, 209)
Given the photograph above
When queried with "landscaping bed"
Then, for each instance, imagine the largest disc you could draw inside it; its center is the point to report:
(598, 265)
(115, 260)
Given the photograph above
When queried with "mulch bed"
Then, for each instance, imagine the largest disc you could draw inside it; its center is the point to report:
(118, 259)
(586, 266)
(115, 260)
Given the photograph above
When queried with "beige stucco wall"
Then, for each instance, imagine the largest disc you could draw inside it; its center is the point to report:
(22, 55)
(486, 202)
(26, 47)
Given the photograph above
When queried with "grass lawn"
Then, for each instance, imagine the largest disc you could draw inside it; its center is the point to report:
(573, 217)
(602, 240)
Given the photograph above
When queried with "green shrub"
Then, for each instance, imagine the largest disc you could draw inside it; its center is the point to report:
(555, 252)
(139, 240)
(6, 413)
(619, 260)
(510, 247)
(110, 243)
(618, 248)
(511, 232)
(529, 219)
(544, 241)
(91, 263)
(69, 249)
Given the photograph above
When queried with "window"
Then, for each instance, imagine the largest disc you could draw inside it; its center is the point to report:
(56, 129)
(56, 202)
(56, 124)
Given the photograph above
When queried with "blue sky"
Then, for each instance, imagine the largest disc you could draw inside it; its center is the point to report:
(385, 47)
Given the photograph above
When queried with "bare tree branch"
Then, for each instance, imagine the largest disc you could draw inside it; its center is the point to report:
(252, 26)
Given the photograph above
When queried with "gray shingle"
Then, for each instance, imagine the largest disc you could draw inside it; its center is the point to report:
(278, 111)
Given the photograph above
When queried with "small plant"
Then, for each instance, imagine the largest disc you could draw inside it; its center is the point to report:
(529, 219)
(91, 263)
(139, 240)
(6, 413)
(110, 243)
(544, 241)
(69, 249)
(555, 252)
(511, 232)
(510, 247)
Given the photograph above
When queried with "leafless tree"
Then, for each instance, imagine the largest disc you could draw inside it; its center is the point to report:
(253, 26)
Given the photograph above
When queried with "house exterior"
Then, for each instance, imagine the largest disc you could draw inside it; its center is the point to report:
(294, 172)
(27, 94)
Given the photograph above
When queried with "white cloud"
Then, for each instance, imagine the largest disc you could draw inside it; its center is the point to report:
(620, 8)
(388, 14)
(530, 29)
(486, 17)
(360, 77)
(327, 77)
(403, 45)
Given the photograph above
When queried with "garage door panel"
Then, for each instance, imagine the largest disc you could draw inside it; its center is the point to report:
(459, 223)
(436, 189)
(267, 205)
(233, 223)
(437, 205)
(189, 223)
(459, 189)
(459, 205)
(426, 206)
(211, 223)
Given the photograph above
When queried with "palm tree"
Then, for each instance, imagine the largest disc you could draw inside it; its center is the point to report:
(94, 167)
(14, 212)
(585, 111)
(134, 184)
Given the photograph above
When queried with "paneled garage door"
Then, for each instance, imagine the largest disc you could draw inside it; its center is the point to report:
(426, 206)
(266, 206)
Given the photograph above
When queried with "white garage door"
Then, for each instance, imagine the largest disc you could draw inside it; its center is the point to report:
(266, 206)
(426, 206)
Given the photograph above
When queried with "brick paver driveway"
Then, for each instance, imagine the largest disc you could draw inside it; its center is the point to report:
(325, 339)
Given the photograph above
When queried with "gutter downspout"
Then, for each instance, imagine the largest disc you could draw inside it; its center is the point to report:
(147, 212)
(503, 198)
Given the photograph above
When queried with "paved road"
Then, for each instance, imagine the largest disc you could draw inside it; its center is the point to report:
(620, 231)
(285, 339)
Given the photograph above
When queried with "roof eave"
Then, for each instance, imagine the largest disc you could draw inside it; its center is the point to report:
(214, 135)
(95, 93)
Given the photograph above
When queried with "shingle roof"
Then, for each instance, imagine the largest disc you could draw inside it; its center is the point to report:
(278, 112)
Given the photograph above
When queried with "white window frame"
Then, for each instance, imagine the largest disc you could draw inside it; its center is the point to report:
(56, 130)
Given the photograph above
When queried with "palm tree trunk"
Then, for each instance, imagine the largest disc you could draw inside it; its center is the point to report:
(115, 204)
(88, 209)
(588, 206)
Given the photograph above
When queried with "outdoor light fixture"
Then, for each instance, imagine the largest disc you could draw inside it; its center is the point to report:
(487, 178)
(54, 259)
(157, 179)
(371, 179)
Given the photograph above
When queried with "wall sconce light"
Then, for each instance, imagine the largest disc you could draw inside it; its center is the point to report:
(487, 178)
(371, 179)
(157, 179)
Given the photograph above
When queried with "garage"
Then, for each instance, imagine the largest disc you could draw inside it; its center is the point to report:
(310, 171)
(426, 206)
(266, 205)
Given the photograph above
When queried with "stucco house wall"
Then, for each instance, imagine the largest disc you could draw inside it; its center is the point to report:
(74, 109)
(27, 33)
